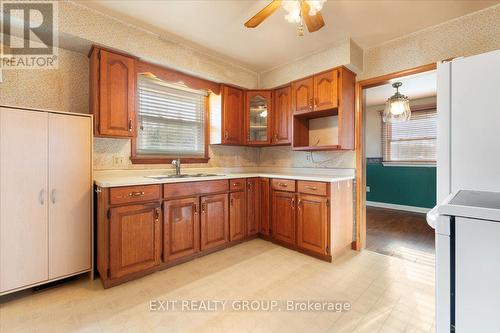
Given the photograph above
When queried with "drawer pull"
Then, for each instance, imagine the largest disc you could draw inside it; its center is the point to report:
(313, 188)
(136, 194)
(283, 184)
(236, 184)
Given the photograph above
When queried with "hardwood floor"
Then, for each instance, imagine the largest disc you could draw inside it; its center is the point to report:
(401, 234)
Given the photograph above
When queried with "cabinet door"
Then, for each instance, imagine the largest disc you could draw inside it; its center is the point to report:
(302, 95)
(237, 215)
(181, 228)
(258, 114)
(264, 206)
(253, 206)
(134, 239)
(214, 221)
(23, 198)
(232, 116)
(326, 90)
(312, 222)
(116, 95)
(283, 216)
(70, 194)
(282, 116)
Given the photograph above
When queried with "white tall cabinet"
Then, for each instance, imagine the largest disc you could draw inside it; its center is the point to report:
(45, 196)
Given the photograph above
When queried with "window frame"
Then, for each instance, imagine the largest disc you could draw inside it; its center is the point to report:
(172, 76)
(407, 163)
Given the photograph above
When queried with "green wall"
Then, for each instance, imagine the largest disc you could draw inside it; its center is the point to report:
(410, 186)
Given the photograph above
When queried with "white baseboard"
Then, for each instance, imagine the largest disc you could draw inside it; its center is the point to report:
(398, 207)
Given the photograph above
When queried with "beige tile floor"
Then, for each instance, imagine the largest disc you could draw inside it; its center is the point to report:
(387, 294)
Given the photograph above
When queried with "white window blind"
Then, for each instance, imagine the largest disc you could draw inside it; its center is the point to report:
(411, 141)
(171, 119)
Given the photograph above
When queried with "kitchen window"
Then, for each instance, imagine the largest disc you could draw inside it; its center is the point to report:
(412, 142)
(172, 122)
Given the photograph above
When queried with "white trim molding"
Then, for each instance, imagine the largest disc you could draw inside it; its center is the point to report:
(414, 209)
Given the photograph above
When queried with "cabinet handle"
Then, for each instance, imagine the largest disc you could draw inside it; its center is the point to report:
(313, 188)
(136, 194)
(283, 184)
(41, 196)
(226, 134)
(235, 184)
(249, 186)
(157, 212)
(195, 207)
(130, 125)
(298, 203)
(203, 207)
(315, 102)
(292, 203)
(310, 103)
(231, 202)
(53, 196)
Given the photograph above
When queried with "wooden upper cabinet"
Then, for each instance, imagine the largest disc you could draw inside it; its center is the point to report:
(283, 216)
(181, 228)
(135, 239)
(302, 95)
(253, 206)
(326, 90)
(312, 223)
(233, 131)
(258, 114)
(112, 93)
(237, 215)
(214, 221)
(282, 116)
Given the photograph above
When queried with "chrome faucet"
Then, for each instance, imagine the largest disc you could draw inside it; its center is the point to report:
(177, 164)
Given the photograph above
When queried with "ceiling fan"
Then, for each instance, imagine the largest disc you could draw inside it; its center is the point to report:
(298, 11)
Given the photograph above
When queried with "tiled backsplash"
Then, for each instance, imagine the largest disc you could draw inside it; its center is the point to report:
(107, 150)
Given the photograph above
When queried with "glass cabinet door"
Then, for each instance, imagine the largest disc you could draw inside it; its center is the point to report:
(259, 107)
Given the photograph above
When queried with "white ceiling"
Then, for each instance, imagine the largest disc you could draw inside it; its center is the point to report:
(217, 26)
(415, 87)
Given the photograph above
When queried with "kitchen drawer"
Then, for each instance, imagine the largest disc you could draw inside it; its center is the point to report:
(287, 185)
(308, 187)
(129, 194)
(187, 189)
(237, 184)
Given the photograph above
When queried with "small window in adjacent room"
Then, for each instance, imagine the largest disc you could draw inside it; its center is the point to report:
(412, 141)
(171, 122)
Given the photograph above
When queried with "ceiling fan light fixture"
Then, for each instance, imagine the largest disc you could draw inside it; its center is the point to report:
(397, 107)
(292, 8)
(315, 6)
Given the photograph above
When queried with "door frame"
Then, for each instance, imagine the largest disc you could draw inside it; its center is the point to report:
(360, 242)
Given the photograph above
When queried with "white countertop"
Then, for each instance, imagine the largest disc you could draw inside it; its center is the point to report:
(472, 204)
(115, 178)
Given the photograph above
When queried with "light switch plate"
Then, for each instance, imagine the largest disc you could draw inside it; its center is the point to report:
(368, 189)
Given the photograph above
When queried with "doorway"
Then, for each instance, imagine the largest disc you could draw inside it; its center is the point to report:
(396, 173)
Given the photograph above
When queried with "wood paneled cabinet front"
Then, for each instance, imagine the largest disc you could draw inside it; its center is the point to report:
(233, 116)
(312, 223)
(282, 116)
(258, 114)
(214, 221)
(303, 95)
(181, 228)
(326, 90)
(253, 206)
(237, 215)
(283, 217)
(265, 205)
(134, 239)
(112, 93)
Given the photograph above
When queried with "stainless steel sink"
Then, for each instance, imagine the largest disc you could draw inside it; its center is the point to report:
(160, 177)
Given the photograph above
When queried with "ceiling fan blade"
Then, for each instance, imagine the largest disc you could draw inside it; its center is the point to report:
(263, 14)
(314, 22)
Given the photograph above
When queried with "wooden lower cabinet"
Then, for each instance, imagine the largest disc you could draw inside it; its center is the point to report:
(312, 223)
(181, 228)
(265, 202)
(134, 239)
(253, 206)
(237, 215)
(283, 217)
(214, 221)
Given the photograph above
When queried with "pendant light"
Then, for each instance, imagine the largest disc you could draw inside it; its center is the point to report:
(397, 107)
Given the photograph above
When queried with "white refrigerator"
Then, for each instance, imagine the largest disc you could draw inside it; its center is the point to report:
(467, 218)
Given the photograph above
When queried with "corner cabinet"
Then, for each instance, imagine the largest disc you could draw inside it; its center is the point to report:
(233, 131)
(112, 93)
(258, 115)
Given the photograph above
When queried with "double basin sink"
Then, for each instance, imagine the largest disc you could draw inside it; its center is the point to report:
(160, 177)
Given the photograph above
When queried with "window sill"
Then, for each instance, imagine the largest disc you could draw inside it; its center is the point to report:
(167, 159)
(410, 164)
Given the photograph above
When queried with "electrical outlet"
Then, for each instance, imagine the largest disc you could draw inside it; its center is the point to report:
(308, 156)
(368, 189)
(118, 160)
